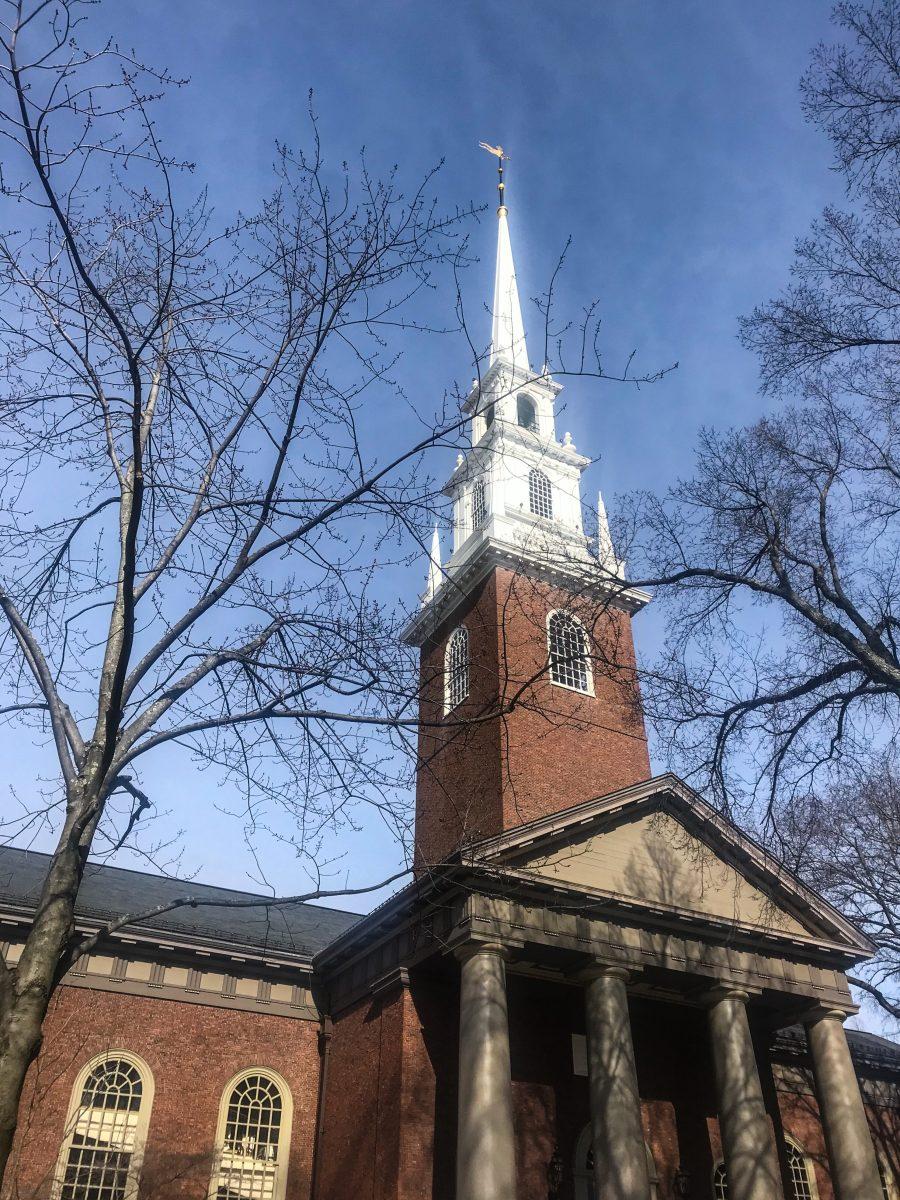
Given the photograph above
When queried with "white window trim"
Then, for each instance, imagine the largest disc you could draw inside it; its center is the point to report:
(536, 471)
(720, 1162)
(142, 1126)
(567, 687)
(284, 1136)
(891, 1182)
(807, 1162)
(448, 706)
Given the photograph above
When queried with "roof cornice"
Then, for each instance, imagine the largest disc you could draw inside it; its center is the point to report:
(458, 583)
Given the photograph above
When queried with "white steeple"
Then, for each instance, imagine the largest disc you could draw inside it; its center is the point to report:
(516, 493)
(508, 330)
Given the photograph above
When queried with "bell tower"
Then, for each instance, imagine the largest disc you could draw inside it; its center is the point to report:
(528, 692)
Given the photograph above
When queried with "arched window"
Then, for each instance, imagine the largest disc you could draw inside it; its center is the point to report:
(720, 1182)
(800, 1171)
(802, 1176)
(253, 1138)
(479, 504)
(540, 494)
(456, 668)
(526, 412)
(106, 1130)
(584, 1168)
(567, 642)
(489, 416)
(887, 1191)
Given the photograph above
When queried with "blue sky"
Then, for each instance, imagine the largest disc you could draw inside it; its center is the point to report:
(666, 139)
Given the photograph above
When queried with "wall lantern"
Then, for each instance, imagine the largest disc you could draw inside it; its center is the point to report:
(681, 1183)
(554, 1174)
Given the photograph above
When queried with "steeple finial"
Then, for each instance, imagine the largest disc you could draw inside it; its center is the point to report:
(508, 329)
(501, 157)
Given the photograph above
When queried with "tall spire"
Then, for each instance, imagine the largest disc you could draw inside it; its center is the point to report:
(508, 330)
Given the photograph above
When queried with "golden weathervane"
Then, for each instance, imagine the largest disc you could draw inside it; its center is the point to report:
(501, 157)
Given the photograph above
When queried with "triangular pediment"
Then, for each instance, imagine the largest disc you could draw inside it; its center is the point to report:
(659, 847)
(652, 858)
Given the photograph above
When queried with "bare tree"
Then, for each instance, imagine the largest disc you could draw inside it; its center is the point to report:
(779, 556)
(846, 841)
(191, 515)
(190, 520)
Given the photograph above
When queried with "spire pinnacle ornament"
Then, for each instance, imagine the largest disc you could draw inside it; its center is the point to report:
(435, 570)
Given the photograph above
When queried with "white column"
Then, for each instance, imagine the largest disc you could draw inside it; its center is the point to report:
(854, 1167)
(620, 1159)
(485, 1148)
(747, 1140)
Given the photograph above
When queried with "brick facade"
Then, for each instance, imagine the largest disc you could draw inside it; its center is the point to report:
(193, 1051)
(553, 748)
(392, 1097)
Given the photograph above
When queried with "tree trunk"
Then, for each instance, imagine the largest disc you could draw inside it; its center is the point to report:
(28, 987)
(21, 1041)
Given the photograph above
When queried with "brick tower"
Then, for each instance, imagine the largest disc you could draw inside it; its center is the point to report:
(528, 696)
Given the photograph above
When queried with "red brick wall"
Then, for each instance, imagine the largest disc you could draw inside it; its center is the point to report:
(193, 1051)
(458, 780)
(382, 1108)
(553, 749)
(360, 1120)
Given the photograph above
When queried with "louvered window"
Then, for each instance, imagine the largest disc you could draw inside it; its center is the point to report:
(525, 412)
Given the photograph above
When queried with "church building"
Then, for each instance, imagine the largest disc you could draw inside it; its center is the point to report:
(594, 987)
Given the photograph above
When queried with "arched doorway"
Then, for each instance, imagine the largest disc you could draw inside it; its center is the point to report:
(583, 1171)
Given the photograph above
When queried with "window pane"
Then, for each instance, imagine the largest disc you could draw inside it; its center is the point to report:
(104, 1134)
(479, 505)
(720, 1183)
(456, 669)
(800, 1180)
(568, 652)
(540, 495)
(248, 1160)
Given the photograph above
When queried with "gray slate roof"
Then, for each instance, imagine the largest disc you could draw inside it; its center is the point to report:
(111, 892)
(867, 1049)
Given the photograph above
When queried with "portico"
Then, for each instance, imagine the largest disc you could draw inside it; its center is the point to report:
(486, 1145)
(676, 1007)
(772, 970)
